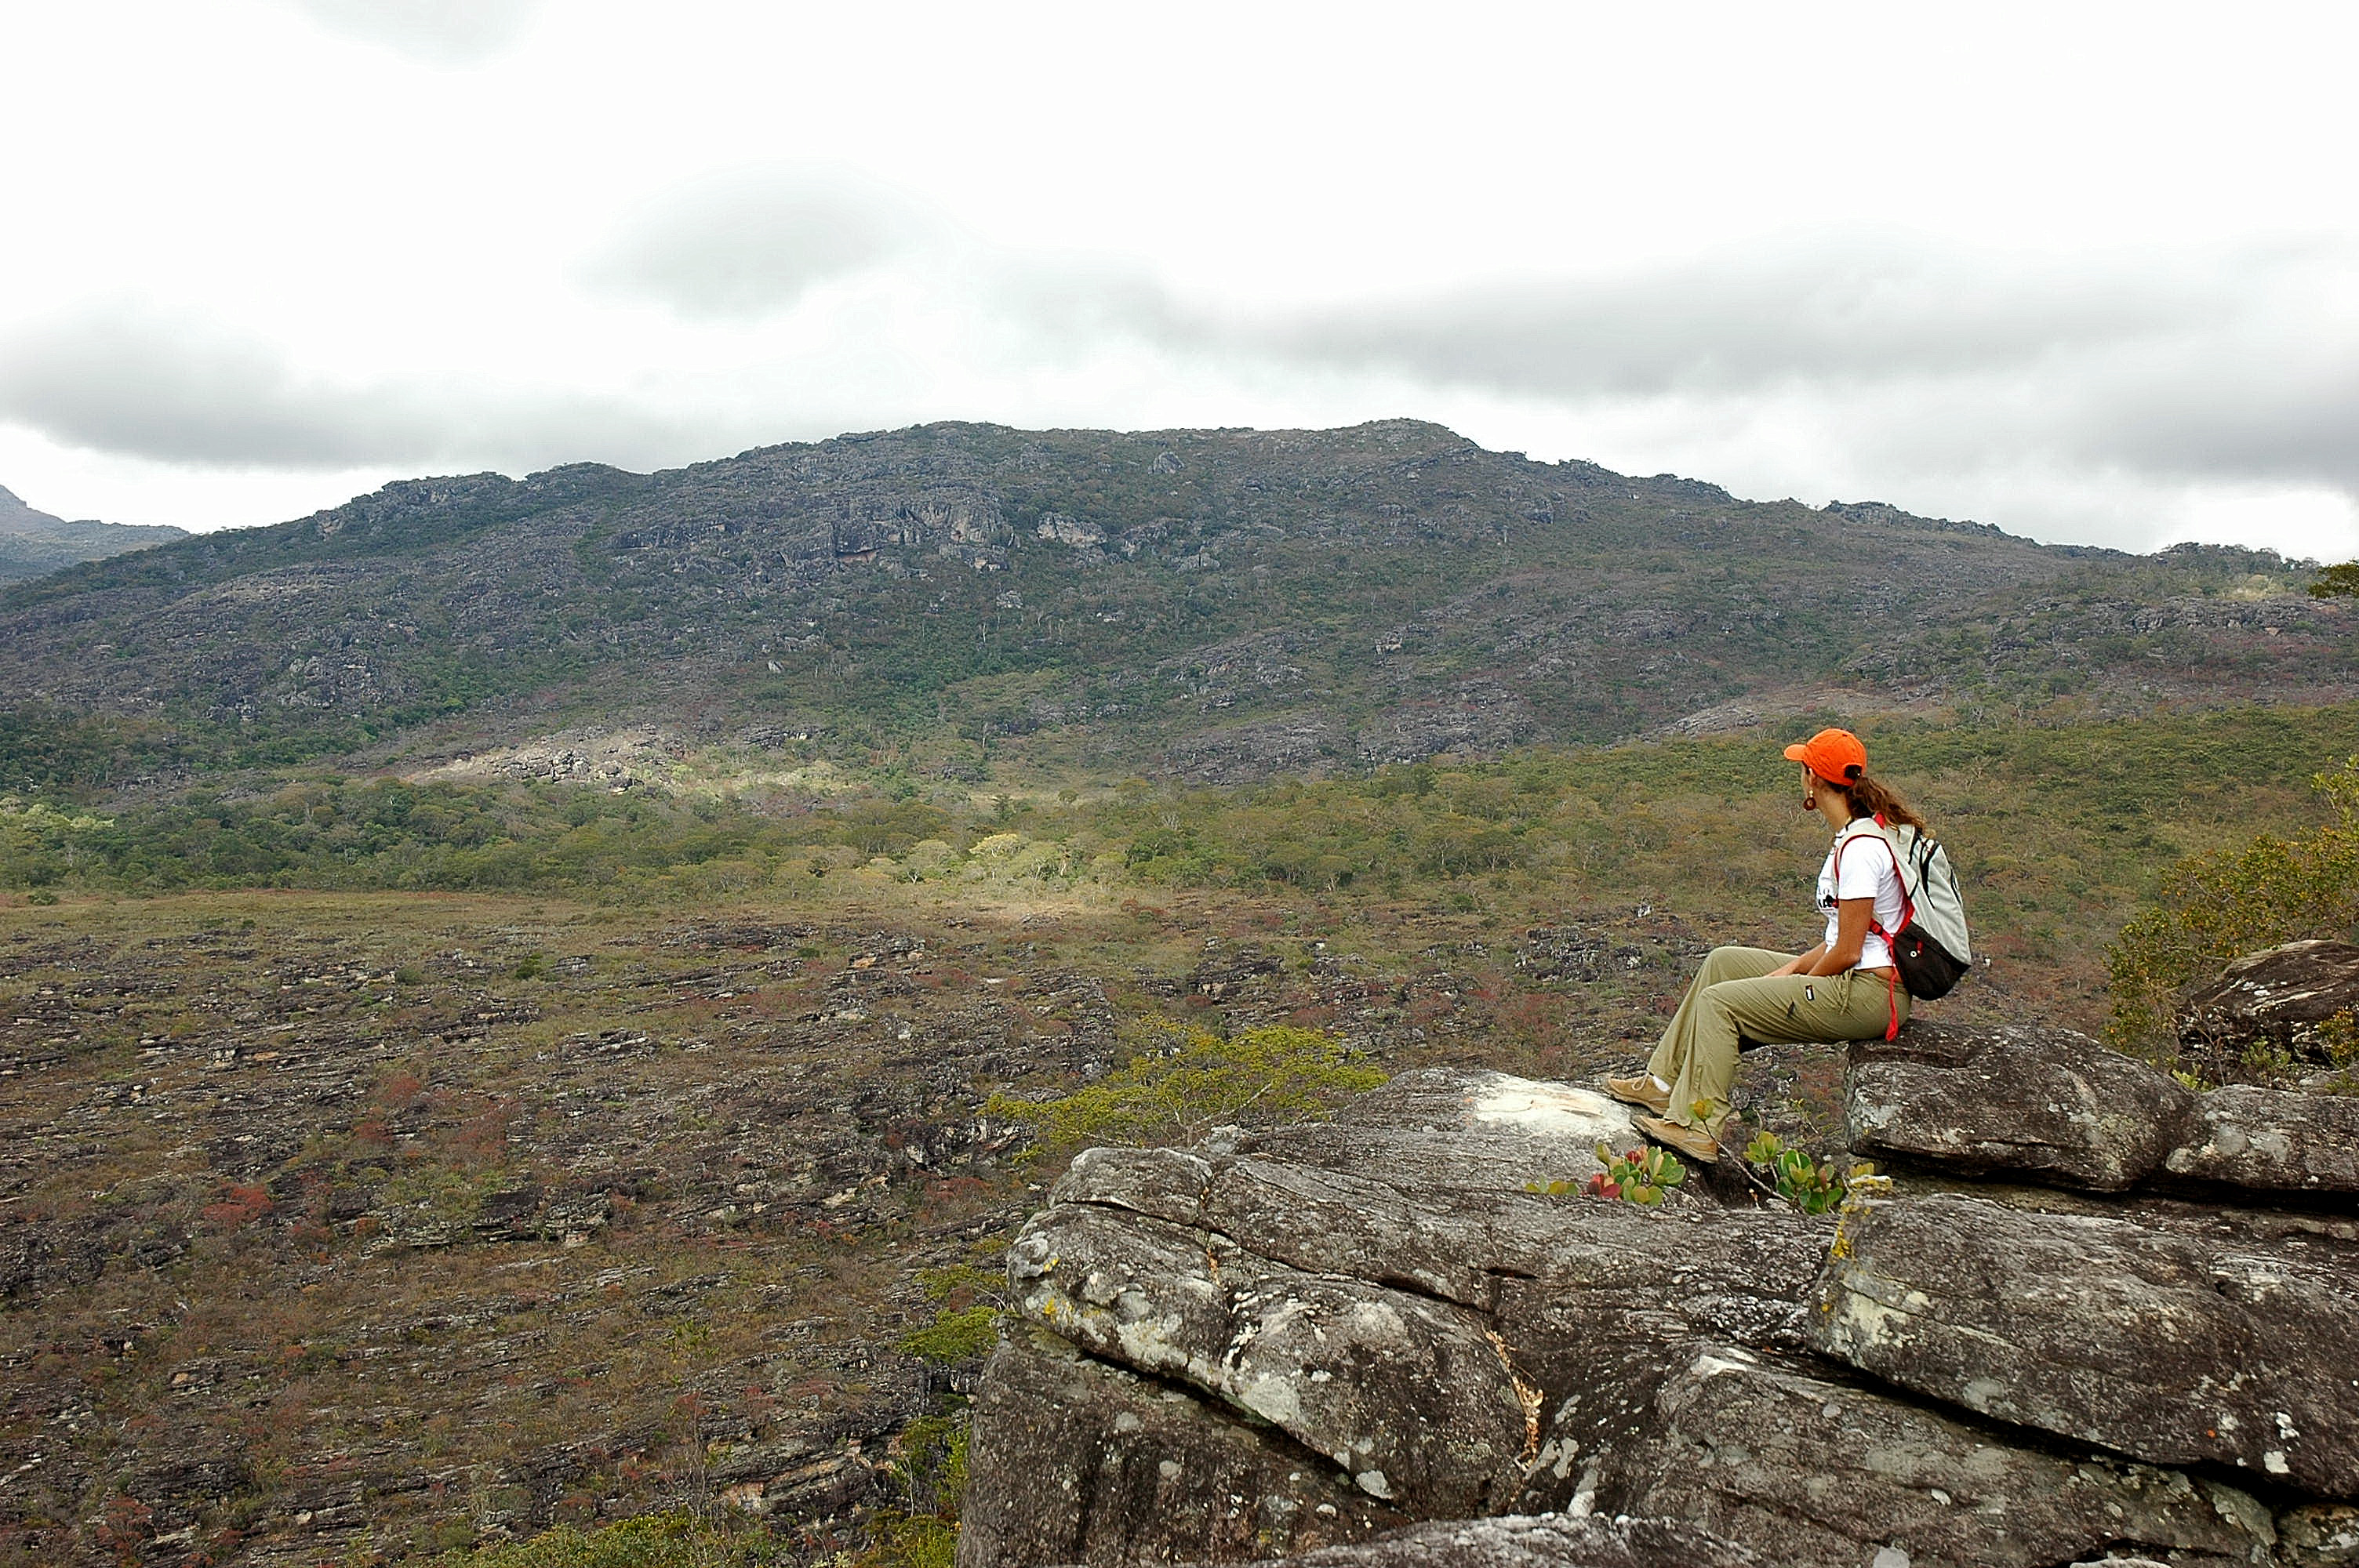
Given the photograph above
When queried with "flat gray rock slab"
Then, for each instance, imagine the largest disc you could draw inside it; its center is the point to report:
(1812, 1474)
(2165, 1348)
(1463, 1244)
(1444, 1127)
(2051, 1106)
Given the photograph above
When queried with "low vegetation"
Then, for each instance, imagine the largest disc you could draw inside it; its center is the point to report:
(2272, 888)
(1643, 1175)
(1187, 1080)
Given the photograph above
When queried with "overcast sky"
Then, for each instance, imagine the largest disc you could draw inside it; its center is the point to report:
(2089, 271)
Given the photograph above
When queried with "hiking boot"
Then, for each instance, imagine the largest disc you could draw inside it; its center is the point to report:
(1692, 1141)
(1641, 1092)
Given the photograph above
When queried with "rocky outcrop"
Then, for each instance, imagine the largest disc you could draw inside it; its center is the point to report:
(593, 757)
(1347, 1327)
(1328, 1361)
(1087, 1461)
(2054, 1106)
(2272, 1140)
(2283, 999)
(2166, 1347)
(1810, 1470)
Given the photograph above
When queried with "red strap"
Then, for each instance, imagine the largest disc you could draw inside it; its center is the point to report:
(1891, 942)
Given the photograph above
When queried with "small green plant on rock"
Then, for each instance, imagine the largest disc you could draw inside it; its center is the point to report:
(1811, 1186)
(1641, 1176)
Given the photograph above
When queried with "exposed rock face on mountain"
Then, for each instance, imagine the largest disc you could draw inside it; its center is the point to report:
(1238, 603)
(1305, 1341)
(33, 543)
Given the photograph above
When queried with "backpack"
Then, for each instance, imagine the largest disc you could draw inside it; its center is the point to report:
(1931, 951)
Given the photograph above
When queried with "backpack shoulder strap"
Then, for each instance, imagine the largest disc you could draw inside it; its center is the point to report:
(1883, 836)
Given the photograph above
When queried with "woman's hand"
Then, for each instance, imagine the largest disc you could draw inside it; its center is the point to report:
(1800, 966)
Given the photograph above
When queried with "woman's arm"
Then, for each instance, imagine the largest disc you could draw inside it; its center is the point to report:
(1800, 966)
(1852, 917)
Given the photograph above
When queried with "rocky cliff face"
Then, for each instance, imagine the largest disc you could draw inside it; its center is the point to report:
(2095, 1316)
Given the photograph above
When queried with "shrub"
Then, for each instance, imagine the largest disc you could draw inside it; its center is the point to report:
(954, 1339)
(2220, 906)
(909, 1540)
(930, 1465)
(1190, 1080)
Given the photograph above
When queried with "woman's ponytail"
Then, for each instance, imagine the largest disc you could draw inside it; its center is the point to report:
(1873, 797)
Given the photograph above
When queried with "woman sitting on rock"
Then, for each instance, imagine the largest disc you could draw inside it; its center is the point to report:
(1844, 989)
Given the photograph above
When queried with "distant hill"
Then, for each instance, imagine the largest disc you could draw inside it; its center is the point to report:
(1215, 604)
(34, 543)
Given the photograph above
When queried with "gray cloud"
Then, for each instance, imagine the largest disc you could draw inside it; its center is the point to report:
(443, 32)
(748, 243)
(2258, 403)
(138, 383)
(1877, 308)
(2224, 367)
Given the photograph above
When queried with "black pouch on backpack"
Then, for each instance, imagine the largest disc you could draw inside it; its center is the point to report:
(1927, 968)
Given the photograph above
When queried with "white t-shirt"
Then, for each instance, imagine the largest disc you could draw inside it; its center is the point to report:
(1868, 870)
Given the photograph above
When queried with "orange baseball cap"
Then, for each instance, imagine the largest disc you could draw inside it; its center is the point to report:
(1835, 755)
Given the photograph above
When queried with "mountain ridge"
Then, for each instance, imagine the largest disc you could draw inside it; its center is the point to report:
(1221, 604)
(34, 543)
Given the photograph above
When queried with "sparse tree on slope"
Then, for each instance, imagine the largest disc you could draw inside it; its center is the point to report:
(2337, 582)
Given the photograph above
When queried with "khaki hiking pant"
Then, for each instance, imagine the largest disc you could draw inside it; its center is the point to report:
(1735, 997)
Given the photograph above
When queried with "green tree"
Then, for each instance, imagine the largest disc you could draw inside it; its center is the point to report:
(2337, 582)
